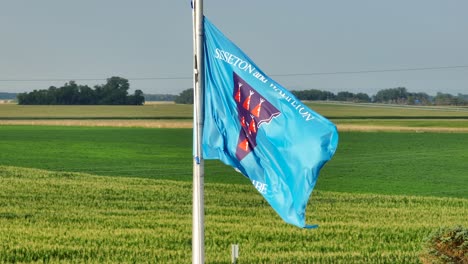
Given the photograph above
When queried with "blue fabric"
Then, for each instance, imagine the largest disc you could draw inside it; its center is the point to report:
(258, 127)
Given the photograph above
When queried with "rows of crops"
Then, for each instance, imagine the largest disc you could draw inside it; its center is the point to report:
(67, 217)
(12, 111)
(375, 201)
(431, 164)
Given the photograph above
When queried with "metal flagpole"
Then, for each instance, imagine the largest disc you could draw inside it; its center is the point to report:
(198, 245)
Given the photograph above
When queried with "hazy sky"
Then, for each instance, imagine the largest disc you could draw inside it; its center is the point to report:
(97, 39)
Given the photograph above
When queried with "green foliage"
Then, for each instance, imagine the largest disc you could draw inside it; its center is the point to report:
(390, 163)
(399, 95)
(447, 245)
(340, 96)
(136, 99)
(185, 97)
(313, 95)
(448, 99)
(351, 97)
(114, 92)
(392, 95)
(7, 96)
(78, 218)
(159, 97)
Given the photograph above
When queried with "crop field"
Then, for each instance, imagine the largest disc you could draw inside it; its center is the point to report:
(151, 111)
(347, 116)
(68, 218)
(387, 163)
(155, 111)
(410, 123)
(350, 110)
(99, 184)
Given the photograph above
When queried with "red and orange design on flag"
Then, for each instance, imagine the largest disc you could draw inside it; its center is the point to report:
(253, 111)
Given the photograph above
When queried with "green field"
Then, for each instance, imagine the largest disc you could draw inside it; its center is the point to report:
(350, 110)
(49, 217)
(123, 195)
(333, 110)
(151, 111)
(384, 163)
(415, 123)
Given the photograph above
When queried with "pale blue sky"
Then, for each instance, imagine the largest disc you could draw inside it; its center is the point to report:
(96, 39)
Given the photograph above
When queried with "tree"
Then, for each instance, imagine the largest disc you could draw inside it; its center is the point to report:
(345, 96)
(397, 95)
(419, 99)
(313, 94)
(137, 98)
(362, 98)
(160, 97)
(8, 96)
(87, 95)
(114, 92)
(185, 97)
(448, 99)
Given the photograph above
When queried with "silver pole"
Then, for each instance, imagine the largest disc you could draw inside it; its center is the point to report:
(198, 254)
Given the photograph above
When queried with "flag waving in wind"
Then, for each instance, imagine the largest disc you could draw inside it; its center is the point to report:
(258, 127)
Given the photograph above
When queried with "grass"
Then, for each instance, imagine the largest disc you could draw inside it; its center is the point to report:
(154, 123)
(414, 123)
(399, 163)
(105, 151)
(151, 111)
(50, 217)
(426, 164)
(347, 116)
(375, 202)
(154, 111)
(349, 110)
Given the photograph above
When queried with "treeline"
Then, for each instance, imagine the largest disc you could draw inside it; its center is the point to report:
(113, 92)
(185, 97)
(314, 95)
(399, 95)
(7, 96)
(160, 97)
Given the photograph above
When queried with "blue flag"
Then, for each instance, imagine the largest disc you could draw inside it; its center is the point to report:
(258, 127)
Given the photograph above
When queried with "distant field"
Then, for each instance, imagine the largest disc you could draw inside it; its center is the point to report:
(48, 217)
(348, 117)
(449, 123)
(148, 123)
(430, 164)
(12, 111)
(350, 110)
(375, 201)
(333, 110)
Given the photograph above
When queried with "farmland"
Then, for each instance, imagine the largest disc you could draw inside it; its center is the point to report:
(167, 111)
(388, 163)
(91, 193)
(66, 217)
(348, 117)
(152, 111)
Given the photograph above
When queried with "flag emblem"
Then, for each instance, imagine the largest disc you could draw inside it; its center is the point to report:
(253, 111)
